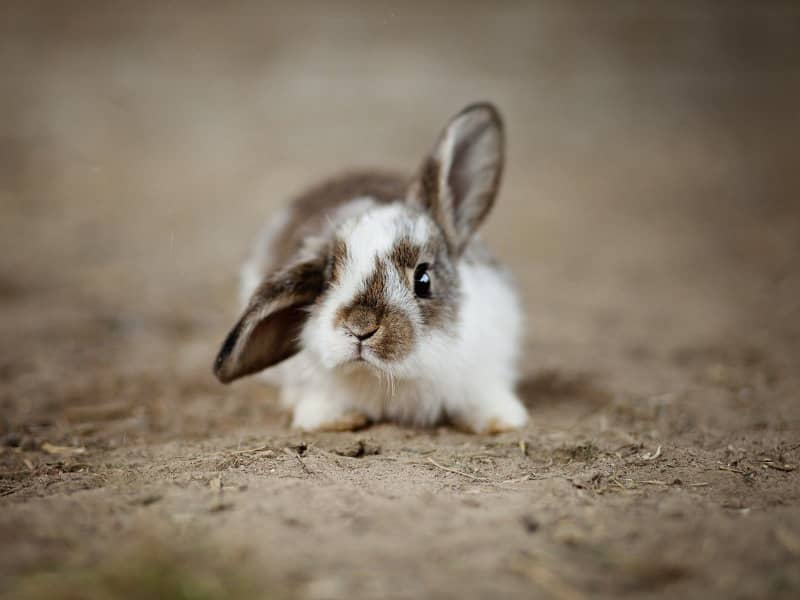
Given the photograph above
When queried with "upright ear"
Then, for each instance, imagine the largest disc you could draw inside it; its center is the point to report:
(268, 331)
(458, 181)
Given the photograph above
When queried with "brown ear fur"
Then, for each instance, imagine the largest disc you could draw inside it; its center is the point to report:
(268, 331)
(457, 183)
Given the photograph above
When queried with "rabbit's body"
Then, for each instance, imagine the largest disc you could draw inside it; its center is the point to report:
(476, 362)
(375, 301)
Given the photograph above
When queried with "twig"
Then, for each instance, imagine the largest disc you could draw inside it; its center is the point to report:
(449, 470)
(11, 491)
(654, 482)
(49, 448)
(616, 481)
(653, 456)
(732, 470)
(251, 450)
(300, 460)
(778, 466)
(517, 480)
(486, 455)
(699, 484)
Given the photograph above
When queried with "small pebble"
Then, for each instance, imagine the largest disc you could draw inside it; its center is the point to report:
(530, 524)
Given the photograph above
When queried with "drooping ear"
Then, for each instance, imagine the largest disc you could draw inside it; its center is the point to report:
(458, 181)
(268, 331)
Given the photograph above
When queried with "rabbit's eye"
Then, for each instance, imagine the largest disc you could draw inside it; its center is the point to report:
(422, 281)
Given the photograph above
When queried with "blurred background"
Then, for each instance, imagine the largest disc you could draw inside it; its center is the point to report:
(649, 210)
(653, 146)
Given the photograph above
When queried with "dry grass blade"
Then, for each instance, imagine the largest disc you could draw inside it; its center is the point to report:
(617, 482)
(527, 477)
(733, 470)
(779, 467)
(454, 471)
(49, 448)
(296, 456)
(10, 491)
(252, 450)
(652, 456)
(523, 447)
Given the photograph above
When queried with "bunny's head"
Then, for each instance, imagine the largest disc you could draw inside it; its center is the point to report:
(382, 287)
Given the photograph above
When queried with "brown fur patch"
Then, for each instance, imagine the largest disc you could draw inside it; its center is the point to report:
(429, 184)
(394, 338)
(302, 280)
(372, 295)
(472, 195)
(405, 254)
(337, 260)
(267, 331)
(460, 198)
(311, 210)
(366, 309)
(440, 310)
(361, 320)
(427, 194)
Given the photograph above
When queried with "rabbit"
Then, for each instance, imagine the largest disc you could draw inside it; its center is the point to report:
(370, 298)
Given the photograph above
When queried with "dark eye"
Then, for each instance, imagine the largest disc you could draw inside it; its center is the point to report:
(422, 281)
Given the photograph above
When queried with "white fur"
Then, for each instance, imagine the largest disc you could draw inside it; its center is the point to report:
(369, 238)
(467, 374)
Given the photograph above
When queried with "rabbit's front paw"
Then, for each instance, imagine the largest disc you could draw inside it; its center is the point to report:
(498, 412)
(319, 413)
(349, 422)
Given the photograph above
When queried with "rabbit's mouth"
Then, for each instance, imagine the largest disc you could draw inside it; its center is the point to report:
(364, 354)
(360, 364)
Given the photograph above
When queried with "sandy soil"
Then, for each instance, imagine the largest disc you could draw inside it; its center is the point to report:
(650, 214)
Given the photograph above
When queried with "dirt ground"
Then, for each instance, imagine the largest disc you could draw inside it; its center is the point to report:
(650, 213)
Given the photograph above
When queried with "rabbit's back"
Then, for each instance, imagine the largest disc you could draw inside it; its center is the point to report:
(311, 213)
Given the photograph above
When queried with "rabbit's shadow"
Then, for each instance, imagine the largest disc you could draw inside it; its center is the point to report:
(551, 387)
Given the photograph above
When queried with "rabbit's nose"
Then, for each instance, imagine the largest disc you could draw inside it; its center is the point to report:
(362, 324)
(363, 334)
